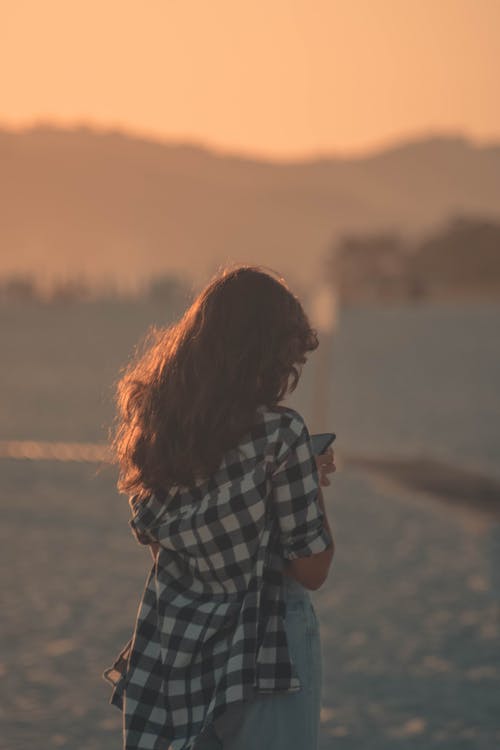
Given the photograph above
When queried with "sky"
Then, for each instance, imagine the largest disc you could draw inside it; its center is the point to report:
(272, 78)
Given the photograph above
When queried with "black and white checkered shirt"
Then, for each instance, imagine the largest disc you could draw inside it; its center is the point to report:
(210, 624)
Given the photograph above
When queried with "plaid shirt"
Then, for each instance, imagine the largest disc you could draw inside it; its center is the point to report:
(210, 624)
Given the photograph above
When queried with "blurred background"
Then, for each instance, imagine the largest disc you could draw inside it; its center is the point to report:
(355, 149)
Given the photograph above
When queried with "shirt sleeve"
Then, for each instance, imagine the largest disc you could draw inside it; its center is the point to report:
(295, 490)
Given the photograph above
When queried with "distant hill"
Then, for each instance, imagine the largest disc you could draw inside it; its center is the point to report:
(115, 205)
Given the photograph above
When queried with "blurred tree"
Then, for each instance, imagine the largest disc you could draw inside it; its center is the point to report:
(368, 266)
(170, 290)
(462, 257)
(19, 289)
(69, 291)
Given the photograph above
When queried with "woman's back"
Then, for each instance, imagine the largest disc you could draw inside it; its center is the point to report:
(210, 626)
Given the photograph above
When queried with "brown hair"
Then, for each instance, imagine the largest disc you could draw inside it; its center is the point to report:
(192, 393)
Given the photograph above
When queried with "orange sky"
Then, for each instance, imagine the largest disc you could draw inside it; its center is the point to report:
(271, 77)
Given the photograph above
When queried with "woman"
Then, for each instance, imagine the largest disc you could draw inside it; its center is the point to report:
(225, 489)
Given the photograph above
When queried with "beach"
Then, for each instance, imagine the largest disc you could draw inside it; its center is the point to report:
(409, 615)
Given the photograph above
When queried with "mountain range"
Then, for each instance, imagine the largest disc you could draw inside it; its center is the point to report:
(108, 204)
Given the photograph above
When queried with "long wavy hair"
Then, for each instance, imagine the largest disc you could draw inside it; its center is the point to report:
(191, 392)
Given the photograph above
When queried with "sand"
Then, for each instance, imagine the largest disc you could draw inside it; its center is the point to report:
(409, 615)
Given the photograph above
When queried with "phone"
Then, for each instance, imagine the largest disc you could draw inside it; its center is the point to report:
(321, 441)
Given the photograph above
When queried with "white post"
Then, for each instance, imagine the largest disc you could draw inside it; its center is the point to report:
(324, 315)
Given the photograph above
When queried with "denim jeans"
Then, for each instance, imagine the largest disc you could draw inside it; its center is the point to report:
(281, 721)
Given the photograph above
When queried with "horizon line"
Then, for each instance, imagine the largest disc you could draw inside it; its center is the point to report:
(387, 145)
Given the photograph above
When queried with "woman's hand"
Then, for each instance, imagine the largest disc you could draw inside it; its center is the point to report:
(326, 465)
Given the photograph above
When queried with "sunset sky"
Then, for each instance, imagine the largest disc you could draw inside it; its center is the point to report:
(276, 78)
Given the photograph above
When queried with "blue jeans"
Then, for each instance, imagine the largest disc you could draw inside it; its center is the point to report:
(283, 721)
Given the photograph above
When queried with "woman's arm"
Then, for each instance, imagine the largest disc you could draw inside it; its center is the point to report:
(314, 568)
(305, 567)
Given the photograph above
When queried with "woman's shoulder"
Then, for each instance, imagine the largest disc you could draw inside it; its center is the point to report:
(281, 431)
(282, 419)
